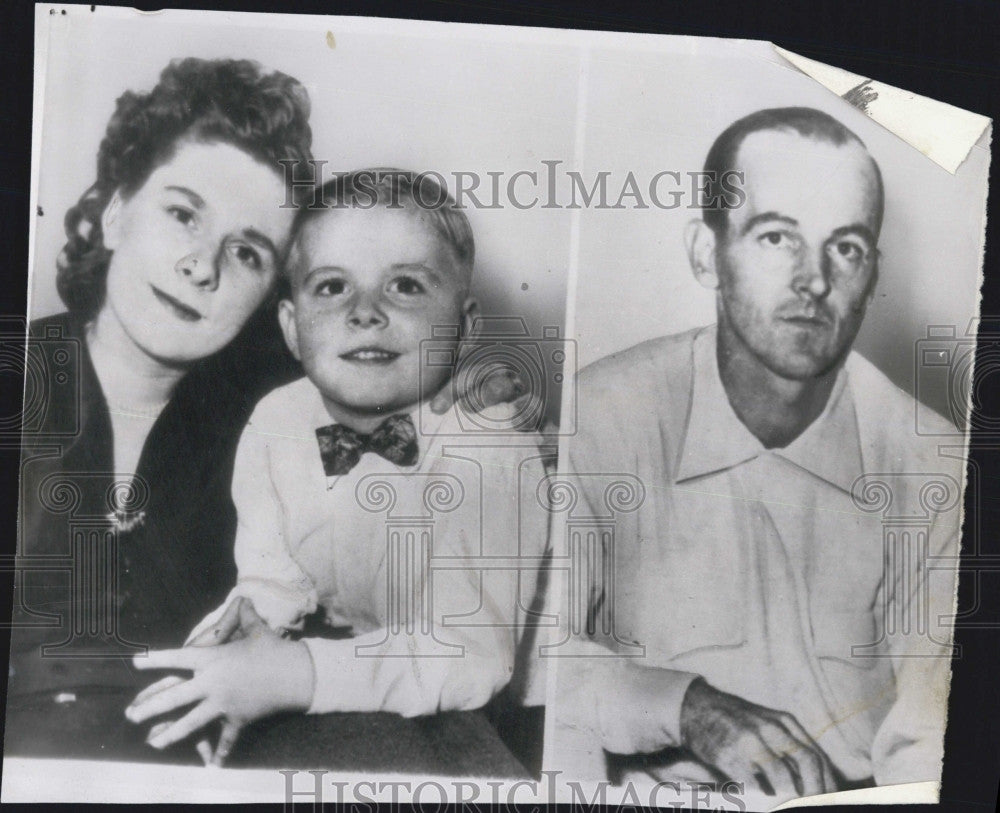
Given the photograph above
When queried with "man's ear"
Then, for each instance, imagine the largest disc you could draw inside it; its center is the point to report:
(111, 228)
(470, 313)
(699, 240)
(874, 281)
(286, 318)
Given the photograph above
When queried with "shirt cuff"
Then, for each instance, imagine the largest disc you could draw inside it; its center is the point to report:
(390, 679)
(639, 707)
(281, 606)
(342, 681)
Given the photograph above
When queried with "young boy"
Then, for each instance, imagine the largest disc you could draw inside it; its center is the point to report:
(358, 506)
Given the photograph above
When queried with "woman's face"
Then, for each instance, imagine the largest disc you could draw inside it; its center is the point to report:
(195, 250)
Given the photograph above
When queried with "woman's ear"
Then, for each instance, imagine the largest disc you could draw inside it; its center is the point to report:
(286, 318)
(699, 239)
(470, 313)
(111, 230)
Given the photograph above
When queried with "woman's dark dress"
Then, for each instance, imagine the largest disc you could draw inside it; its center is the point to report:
(96, 590)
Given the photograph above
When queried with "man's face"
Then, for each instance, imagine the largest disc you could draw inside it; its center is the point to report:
(369, 286)
(798, 261)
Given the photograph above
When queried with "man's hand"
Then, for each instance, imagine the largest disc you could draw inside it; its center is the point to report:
(242, 681)
(746, 742)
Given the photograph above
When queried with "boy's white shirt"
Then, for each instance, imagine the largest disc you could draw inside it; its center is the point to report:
(305, 540)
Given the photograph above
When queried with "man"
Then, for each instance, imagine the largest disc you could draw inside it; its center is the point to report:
(767, 628)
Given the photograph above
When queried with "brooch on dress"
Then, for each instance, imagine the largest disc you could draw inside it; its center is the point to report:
(126, 498)
(125, 521)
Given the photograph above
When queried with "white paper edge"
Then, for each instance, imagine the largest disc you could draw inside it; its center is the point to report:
(944, 133)
(84, 781)
(913, 793)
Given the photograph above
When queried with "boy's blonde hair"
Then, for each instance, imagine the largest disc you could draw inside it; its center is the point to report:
(394, 189)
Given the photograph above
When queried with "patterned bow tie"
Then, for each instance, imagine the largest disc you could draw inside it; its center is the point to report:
(341, 447)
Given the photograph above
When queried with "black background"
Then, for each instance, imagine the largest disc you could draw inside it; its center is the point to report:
(948, 51)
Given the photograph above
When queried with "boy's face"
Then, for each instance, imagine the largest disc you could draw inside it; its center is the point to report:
(368, 287)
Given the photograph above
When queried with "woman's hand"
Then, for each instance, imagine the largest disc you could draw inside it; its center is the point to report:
(259, 675)
(498, 384)
(230, 626)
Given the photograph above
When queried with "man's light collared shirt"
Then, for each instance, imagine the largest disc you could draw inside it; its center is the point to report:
(816, 579)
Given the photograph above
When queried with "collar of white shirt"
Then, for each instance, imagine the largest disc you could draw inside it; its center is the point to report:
(715, 439)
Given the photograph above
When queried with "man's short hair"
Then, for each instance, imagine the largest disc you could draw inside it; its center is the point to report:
(806, 121)
(394, 189)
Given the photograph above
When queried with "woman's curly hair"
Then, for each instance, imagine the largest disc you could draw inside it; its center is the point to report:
(229, 101)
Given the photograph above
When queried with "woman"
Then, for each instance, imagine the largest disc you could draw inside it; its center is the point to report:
(167, 344)
(171, 257)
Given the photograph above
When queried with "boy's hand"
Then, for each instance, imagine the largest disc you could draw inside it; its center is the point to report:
(228, 628)
(242, 681)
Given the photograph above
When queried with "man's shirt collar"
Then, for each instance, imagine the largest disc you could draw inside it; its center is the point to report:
(716, 439)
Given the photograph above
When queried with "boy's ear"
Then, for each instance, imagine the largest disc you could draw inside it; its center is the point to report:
(699, 240)
(111, 230)
(470, 312)
(286, 318)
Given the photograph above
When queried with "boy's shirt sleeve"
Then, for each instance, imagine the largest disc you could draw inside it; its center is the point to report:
(457, 645)
(268, 575)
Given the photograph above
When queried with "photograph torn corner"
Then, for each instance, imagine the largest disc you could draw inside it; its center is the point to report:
(911, 793)
(943, 133)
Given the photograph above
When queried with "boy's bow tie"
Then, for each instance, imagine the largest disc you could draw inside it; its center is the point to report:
(341, 447)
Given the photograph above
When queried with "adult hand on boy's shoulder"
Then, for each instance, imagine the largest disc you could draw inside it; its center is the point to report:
(500, 385)
(474, 393)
